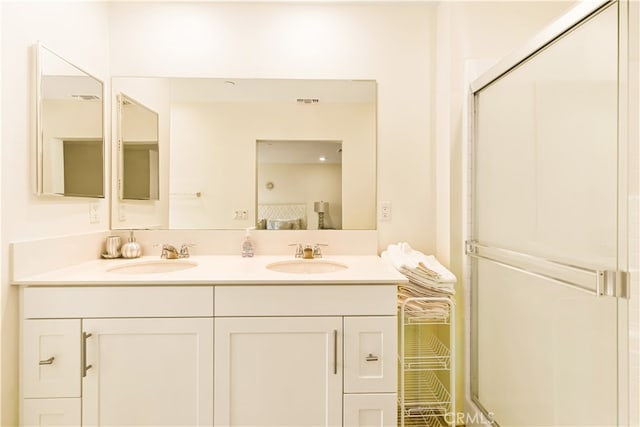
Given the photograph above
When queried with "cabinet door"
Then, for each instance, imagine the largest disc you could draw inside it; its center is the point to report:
(370, 410)
(148, 372)
(278, 371)
(51, 358)
(370, 354)
(50, 412)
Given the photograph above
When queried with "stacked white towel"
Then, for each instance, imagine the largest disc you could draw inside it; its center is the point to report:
(427, 278)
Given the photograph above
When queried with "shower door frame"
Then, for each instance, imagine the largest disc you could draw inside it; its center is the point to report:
(628, 183)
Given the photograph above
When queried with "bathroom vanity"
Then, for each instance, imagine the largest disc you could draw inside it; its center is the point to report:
(224, 341)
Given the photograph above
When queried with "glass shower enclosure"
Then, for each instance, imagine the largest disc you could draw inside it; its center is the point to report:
(548, 238)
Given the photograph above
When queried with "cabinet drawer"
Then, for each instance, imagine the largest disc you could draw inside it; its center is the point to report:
(125, 301)
(50, 412)
(306, 300)
(370, 410)
(51, 358)
(370, 354)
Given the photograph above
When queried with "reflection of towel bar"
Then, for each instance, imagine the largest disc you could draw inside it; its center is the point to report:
(196, 194)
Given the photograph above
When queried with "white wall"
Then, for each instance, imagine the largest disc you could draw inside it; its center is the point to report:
(79, 32)
(390, 43)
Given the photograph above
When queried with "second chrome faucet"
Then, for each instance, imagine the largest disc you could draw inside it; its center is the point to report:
(308, 251)
(170, 251)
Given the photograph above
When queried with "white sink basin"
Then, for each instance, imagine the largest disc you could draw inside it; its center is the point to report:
(306, 266)
(153, 266)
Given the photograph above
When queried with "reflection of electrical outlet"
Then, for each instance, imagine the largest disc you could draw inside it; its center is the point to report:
(385, 211)
(241, 214)
(94, 217)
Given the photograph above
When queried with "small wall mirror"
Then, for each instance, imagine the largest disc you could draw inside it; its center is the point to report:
(70, 128)
(138, 149)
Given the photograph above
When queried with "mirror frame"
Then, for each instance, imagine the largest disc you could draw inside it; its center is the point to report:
(40, 48)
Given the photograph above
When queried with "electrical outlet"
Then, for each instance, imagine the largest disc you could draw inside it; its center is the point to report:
(385, 211)
(94, 216)
(122, 214)
(241, 214)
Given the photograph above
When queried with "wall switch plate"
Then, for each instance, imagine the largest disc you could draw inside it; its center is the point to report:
(385, 211)
(241, 214)
(94, 216)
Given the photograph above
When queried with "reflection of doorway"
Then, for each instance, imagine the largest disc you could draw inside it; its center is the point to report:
(301, 172)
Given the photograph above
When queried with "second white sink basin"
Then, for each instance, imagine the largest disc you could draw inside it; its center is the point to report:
(153, 266)
(306, 266)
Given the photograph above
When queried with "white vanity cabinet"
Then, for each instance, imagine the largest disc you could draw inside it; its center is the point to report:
(286, 355)
(306, 355)
(99, 356)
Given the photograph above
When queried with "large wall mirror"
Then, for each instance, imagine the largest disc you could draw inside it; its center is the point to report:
(242, 151)
(70, 131)
(138, 150)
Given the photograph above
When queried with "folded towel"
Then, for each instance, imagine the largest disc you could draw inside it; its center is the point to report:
(401, 255)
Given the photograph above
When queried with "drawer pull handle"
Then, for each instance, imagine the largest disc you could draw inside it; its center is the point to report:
(83, 355)
(48, 361)
(371, 358)
(335, 352)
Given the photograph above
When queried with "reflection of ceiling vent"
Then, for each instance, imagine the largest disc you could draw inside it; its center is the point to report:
(85, 97)
(308, 100)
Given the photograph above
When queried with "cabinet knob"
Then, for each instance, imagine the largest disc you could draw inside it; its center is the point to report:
(371, 358)
(48, 361)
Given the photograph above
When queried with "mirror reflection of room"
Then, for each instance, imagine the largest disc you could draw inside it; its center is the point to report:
(139, 153)
(70, 131)
(211, 127)
(299, 185)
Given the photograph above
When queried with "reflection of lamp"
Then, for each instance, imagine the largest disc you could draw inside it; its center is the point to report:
(321, 207)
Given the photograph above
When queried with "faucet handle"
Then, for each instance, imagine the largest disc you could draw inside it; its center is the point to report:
(298, 246)
(184, 249)
(317, 252)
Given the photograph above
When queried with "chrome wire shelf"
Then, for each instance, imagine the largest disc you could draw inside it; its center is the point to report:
(425, 394)
(427, 366)
(425, 351)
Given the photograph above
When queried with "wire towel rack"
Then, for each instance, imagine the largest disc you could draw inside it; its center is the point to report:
(427, 365)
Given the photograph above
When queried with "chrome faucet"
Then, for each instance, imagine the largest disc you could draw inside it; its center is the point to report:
(308, 251)
(170, 251)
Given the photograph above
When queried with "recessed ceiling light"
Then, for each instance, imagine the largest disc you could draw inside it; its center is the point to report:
(322, 159)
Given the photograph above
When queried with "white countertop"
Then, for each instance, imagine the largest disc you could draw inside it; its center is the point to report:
(218, 270)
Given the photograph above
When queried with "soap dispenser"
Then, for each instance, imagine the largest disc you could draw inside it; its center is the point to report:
(131, 249)
(247, 244)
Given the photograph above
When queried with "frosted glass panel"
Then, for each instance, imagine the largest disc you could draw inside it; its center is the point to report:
(546, 150)
(547, 353)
